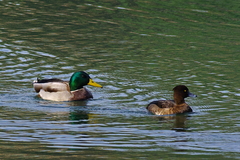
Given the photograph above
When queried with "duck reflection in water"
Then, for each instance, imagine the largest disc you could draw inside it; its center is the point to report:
(179, 123)
(79, 113)
(76, 112)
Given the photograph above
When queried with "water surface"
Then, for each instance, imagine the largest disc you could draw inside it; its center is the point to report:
(138, 51)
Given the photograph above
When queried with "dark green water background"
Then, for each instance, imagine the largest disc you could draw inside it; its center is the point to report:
(138, 50)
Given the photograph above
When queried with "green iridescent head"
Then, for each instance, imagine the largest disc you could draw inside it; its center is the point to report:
(80, 79)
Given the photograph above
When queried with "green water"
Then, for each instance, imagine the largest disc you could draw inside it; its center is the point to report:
(138, 50)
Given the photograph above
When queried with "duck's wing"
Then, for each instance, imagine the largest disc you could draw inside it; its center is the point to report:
(47, 80)
(161, 107)
(163, 103)
(51, 85)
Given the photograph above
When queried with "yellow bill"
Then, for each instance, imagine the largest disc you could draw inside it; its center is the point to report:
(92, 83)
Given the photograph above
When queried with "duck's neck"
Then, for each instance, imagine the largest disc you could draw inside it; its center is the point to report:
(178, 99)
(74, 87)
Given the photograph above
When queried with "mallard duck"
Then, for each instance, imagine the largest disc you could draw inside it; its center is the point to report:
(178, 105)
(59, 90)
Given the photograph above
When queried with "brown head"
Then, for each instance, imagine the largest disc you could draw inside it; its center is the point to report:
(181, 92)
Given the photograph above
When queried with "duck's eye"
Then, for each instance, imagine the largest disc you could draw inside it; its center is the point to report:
(185, 90)
(83, 76)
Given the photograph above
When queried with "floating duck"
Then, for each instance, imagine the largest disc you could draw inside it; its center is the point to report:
(59, 90)
(178, 105)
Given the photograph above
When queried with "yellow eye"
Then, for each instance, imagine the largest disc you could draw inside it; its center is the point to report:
(185, 90)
